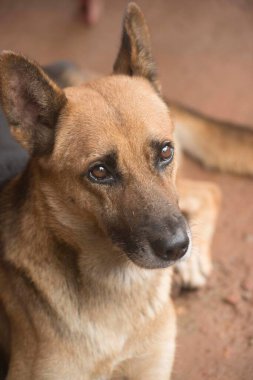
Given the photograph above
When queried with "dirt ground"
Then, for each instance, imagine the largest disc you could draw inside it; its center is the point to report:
(204, 51)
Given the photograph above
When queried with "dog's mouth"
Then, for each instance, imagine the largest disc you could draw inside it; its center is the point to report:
(157, 254)
(149, 258)
(154, 243)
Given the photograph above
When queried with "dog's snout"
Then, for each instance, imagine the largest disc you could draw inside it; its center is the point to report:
(171, 247)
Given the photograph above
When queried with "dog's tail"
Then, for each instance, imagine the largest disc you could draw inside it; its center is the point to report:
(216, 144)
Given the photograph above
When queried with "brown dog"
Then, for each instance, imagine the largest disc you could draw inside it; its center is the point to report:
(89, 230)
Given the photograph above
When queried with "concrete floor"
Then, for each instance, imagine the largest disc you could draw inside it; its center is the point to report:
(204, 51)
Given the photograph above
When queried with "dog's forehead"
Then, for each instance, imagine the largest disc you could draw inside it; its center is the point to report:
(113, 109)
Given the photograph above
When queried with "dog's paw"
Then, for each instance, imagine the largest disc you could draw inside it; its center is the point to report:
(194, 271)
(200, 203)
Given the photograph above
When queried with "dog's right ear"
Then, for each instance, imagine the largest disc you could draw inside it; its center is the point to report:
(135, 56)
(31, 102)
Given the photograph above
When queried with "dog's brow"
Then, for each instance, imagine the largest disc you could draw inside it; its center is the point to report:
(110, 159)
(155, 144)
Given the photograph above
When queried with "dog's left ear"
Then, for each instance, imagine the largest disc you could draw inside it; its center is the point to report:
(135, 57)
(31, 102)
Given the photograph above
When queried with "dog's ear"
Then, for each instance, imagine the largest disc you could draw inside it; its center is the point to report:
(135, 56)
(31, 102)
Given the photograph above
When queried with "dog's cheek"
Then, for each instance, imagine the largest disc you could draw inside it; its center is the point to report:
(96, 205)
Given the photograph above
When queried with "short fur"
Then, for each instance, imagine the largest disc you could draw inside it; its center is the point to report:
(216, 144)
(78, 297)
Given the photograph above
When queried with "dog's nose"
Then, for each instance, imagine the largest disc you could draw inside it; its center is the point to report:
(171, 247)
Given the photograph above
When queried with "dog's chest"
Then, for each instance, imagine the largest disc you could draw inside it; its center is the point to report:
(110, 329)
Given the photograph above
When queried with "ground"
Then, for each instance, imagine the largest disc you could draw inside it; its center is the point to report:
(204, 51)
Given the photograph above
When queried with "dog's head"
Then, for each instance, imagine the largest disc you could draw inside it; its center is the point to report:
(104, 149)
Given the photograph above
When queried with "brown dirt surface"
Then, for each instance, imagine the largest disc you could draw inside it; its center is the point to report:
(204, 51)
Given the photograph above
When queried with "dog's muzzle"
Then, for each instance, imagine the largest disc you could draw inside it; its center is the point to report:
(155, 245)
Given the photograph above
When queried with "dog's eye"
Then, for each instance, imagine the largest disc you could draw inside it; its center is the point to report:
(99, 173)
(166, 153)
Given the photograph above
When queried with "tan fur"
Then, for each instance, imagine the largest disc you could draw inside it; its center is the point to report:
(77, 307)
(75, 304)
(200, 201)
(216, 144)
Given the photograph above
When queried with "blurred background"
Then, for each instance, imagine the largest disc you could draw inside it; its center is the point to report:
(204, 52)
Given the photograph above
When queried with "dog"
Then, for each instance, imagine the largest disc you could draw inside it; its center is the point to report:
(90, 229)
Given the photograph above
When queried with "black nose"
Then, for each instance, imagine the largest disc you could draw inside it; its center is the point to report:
(171, 247)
